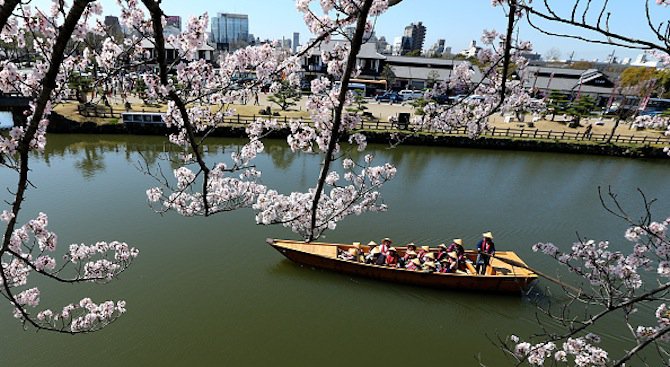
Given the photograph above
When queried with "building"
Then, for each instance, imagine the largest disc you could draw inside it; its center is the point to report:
(296, 42)
(643, 60)
(471, 51)
(415, 34)
(410, 72)
(230, 31)
(368, 60)
(437, 49)
(571, 82)
(205, 51)
(416, 72)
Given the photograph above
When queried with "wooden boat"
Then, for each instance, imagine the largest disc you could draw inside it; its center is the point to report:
(502, 276)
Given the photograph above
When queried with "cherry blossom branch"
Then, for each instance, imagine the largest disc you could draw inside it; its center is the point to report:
(337, 119)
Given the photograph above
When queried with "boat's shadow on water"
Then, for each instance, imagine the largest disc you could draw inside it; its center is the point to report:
(296, 272)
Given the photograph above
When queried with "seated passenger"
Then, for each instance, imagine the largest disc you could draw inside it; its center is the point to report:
(359, 252)
(429, 266)
(429, 257)
(448, 265)
(424, 250)
(457, 247)
(441, 252)
(371, 258)
(414, 264)
(409, 255)
(411, 247)
(351, 254)
(392, 257)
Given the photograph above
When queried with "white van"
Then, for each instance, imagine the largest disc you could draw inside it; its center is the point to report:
(408, 94)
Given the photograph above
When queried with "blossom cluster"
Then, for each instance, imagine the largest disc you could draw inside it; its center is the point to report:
(581, 351)
(352, 193)
(30, 250)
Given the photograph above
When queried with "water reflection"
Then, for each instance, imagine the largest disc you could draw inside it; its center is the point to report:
(212, 284)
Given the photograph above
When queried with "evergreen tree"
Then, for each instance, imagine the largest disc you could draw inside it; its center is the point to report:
(558, 103)
(286, 96)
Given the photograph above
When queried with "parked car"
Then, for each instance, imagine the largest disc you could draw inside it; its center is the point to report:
(408, 94)
(392, 97)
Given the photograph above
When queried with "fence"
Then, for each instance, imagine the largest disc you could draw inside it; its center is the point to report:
(88, 110)
(495, 132)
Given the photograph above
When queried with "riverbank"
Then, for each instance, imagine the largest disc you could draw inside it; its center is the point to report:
(62, 125)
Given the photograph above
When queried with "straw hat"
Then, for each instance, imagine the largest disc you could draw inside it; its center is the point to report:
(487, 235)
(353, 251)
(425, 248)
(372, 244)
(429, 264)
(410, 253)
(392, 249)
(357, 244)
(375, 250)
(412, 245)
(416, 262)
(459, 241)
(442, 245)
(386, 239)
(430, 255)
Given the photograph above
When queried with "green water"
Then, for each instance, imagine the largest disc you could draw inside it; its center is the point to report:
(209, 291)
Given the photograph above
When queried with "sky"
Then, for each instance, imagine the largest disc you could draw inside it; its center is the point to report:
(456, 21)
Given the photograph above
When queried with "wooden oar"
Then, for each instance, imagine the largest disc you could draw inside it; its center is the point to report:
(543, 275)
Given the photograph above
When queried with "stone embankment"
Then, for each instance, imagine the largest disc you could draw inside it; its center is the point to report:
(61, 124)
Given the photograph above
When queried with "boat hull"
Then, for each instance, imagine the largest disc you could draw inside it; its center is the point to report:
(466, 282)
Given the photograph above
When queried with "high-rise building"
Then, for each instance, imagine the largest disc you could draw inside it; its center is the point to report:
(230, 31)
(296, 41)
(438, 48)
(415, 33)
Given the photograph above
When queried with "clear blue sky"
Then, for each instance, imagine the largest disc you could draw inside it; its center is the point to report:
(457, 21)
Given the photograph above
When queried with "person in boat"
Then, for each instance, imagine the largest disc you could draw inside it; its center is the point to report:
(456, 246)
(485, 249)
(350, 255)
(392, 258)
(359, 252)
(411, 247)
(371, 258)
(428, 257)
(429, 266)
(409, 255)
(422, 253)
(385, 246)
(441, 252)
(414, 264)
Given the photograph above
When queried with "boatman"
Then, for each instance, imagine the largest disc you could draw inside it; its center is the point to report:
(485, 249)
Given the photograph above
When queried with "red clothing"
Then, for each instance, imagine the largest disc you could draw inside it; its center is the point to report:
(391, 260)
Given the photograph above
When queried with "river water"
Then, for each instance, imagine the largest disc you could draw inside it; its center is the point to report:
(209, 291)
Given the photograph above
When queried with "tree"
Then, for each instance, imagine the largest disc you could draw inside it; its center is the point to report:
(432, 78)
(582, 107)
(640, 79)
(583, 65)
(199, 98)
(388, 75)
(285, 95)
(557, 104)
(553, 54)
(27, 249)
(413, 53)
